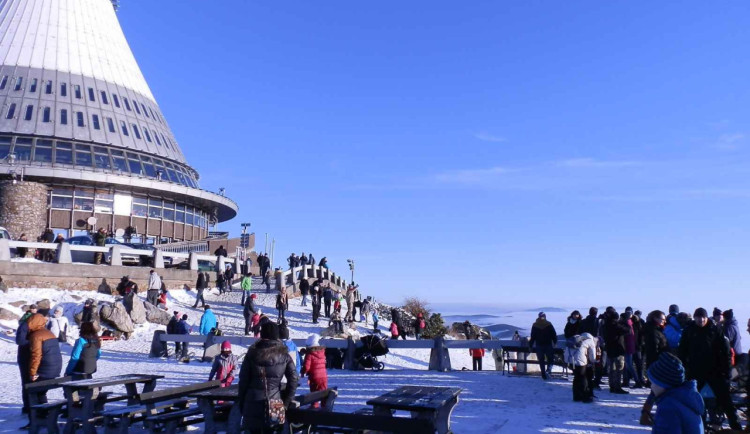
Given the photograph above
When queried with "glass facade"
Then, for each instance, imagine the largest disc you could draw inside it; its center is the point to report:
(62, 153)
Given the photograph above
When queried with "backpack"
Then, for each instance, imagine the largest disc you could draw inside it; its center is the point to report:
(421, 324)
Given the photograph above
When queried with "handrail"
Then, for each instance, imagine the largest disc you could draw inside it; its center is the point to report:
(316, 270)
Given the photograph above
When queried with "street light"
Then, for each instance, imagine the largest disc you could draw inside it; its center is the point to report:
(351, 267)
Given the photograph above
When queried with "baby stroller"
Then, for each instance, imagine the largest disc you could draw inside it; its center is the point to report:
(373, 347)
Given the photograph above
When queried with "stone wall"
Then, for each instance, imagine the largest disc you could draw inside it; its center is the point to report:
(23, 208)
(87, 277)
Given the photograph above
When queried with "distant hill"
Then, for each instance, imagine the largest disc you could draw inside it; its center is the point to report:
(546, 309)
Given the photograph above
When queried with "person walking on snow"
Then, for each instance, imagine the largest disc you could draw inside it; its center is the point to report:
(581, 353)
(247, 287)
(420, 325)
(327, 298)
(200, 285)
(208, 321)
(224, 365)
(476, 358)
(315, 366)
(282, 304)
(291, 346)
(154, 286)
(543, 334)
(304, 289)
(248, 312)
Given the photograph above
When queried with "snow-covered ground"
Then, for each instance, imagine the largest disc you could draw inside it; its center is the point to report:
(489, 402)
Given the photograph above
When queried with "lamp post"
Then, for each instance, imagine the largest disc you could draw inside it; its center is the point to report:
(244, 243)
(351, 267)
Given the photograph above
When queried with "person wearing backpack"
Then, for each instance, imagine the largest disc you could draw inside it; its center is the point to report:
(394, 330)
(581, 353)
(673, 329)
(86, 351)
(375, 321)
(419, 325)
(58, 325)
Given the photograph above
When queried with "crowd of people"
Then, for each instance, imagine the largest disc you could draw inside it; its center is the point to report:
(678, 356)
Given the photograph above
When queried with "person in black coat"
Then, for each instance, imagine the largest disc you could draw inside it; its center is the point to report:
(590, 324)
(573, 326)
(614, 332)
(654, 343)
(544, 336)
(248, 311)
(221, 251)
(267, 362)
(200, 286)
(172, 330)
(22, 358)
(707, 358)
(304, 289)
(182, 328)
(327, 298)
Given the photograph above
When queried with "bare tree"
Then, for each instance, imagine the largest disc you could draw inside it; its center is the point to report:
(414, 306)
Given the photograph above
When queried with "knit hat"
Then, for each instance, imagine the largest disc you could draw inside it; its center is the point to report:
(269, 330)
(717, 312)
(667, 371)
(700, 312)
(254, 296)
(226, 346)
(629, 310)
(728, 314)
(542, 315)
(593, 311)
(283, 331)
(674, 309)
(312, 341)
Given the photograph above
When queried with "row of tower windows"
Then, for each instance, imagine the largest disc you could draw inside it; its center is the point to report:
(140, 108)
(46, 117)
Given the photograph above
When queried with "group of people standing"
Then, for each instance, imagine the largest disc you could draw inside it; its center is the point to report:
(677, 355)
(295, 261)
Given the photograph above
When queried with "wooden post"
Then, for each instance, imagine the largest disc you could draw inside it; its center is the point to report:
(440, 359)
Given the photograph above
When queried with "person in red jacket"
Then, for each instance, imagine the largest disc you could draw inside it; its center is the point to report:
(314, 366)
(224, 365)
(476, 358)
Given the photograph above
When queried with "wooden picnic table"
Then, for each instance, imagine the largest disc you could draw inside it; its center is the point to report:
(216, 418)
(423, 402)
(82, 396)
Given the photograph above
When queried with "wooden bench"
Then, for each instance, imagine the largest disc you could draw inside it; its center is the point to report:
(149, 404)
(44, 414)
(333, 422)
(558, 358)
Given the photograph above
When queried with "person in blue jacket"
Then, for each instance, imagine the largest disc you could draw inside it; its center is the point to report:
(86, 351)
(208, 321)
(291, 346)
(679, 406)
(676, 321)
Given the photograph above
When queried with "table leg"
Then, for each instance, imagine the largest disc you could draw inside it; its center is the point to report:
(80, 410)
(207, 408)
(379, 410)
(235, 419)
(443, 416)
(149, 386)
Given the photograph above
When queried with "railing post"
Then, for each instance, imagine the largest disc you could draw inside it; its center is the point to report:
(440, 359)
(158, 259)
(237, 265)
(63, 254)
(158, 348)
(4, 249)
(193, 261)
(349, 362)
(115, 257)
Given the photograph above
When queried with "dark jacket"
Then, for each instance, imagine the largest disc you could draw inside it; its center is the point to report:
(638, 326)
(83, 357)
(269, 359)
(249, 309)
(654, 342)
(87, 315)
(732, 332)
(221, 251)
(100, 239)
(172, 325)
(22, 340)
(705, 352)
(679, 410)
(572, 329)
(304, 286)
(589, 325)
(201, 282)
(182, 328)
(614, 336)
(543, 334)
(44, 348)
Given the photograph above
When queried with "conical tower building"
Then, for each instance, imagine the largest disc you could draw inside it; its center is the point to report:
(81, 134)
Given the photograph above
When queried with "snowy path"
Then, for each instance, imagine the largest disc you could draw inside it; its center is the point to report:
(489, 402)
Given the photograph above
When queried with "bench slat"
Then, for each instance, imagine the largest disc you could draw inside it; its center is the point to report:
(320, 395)
(176, 392)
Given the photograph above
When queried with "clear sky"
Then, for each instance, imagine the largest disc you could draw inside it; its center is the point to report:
(544, 153)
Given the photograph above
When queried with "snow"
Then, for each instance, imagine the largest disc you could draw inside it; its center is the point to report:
(489, 403)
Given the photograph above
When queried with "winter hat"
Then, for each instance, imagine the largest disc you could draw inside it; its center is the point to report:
(206, 307)
(175, 313)
(700, 312)
(312, 341)
(674, 309)
(667, 371)
(728, 314)
(593, 311)
(716, 312)
(88, 302)
(226, 346)
(59, 309)
(254, 296)
(283, 331)
(270, 331)
(542, 315)
(575, 314)
(184, 317)
(629, 310)
(419, 315)
(637, 313)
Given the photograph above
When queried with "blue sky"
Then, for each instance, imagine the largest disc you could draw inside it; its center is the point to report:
(538, 153)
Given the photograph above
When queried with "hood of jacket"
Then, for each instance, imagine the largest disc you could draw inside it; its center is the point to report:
(37, 322)
(686, 395)
(586, 336)
(542, 323)
(267, 349)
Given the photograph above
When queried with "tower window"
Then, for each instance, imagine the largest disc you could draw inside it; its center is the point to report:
(64, 117)
(63, 89)
(124, 128)
(105, 100)
(48, 87)
(32, 87)
(156, 136)
(148, 136)
(135, 105)
(136, 131)
(79, 119)
(19, 83)
(92, 97)
(110, 125)
(116, 100)
(3, 82)
(127, 104)
(46, 114)
(29, 112)
(11, 111)
(95, 121)
(145, 112)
